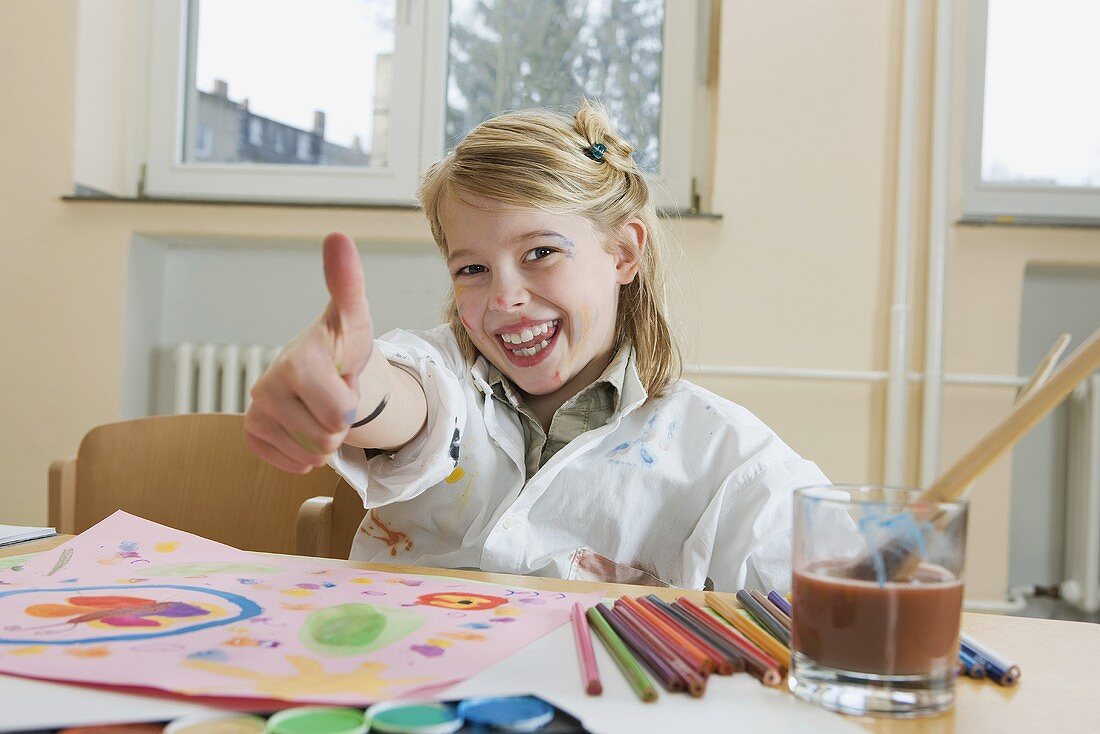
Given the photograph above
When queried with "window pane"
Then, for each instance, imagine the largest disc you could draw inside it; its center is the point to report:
(514, 54)
(1042, 111)
(290, 82)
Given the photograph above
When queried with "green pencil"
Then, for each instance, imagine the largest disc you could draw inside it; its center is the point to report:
(634, 673)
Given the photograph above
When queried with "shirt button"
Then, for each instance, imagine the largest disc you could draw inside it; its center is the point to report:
(509, 522)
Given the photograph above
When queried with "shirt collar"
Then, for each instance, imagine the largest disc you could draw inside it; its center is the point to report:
(621, 375)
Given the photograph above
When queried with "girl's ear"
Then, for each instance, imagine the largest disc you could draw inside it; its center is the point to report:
(633, 241)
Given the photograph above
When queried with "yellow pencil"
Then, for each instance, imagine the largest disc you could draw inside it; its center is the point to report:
(757, 636)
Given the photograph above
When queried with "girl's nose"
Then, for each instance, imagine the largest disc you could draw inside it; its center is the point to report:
(508, 295)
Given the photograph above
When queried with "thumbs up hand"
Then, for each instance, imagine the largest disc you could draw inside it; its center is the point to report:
(304, 403)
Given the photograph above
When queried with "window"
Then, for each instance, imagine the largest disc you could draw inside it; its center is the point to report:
(351, 100)
(303, 147)
(1033, 116)
(511, 55)
(255, 133)
(204, 141)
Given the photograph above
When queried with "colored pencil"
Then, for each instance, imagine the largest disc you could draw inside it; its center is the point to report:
(694, 683)
(996, 667)
(633, 672)
(767, 622)
(726, 650)
(746, 647)
(692, 655)
(669, 678)
(971, 666)
(590, 673)
(759, 637)
(757, 662)
(688, 676)
(777, 614)
(784, 606)
(722, 664)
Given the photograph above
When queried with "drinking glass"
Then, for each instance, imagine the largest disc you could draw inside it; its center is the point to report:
(877, 599)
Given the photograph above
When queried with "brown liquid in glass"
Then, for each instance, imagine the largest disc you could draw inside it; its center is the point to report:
(908, 628)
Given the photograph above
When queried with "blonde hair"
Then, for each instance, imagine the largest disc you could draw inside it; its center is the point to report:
(538, 158)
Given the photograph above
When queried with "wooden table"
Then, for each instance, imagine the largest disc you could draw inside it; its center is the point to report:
(1057, 692)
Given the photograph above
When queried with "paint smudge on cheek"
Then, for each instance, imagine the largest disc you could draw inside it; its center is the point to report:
(577, 351)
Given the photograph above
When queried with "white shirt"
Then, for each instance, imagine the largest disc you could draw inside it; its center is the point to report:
(672, 490)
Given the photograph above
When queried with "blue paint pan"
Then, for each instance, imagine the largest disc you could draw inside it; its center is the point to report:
(511, 714)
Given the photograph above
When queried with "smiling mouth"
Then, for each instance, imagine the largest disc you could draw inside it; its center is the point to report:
(529, 342)
(531, 345)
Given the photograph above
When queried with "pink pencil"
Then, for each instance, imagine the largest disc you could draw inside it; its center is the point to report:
(589, 672)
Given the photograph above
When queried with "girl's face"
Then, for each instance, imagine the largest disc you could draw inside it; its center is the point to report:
(537, 292)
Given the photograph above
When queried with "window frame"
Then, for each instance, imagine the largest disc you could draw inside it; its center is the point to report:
(1008, 202)
(168, 177)
(419, 93)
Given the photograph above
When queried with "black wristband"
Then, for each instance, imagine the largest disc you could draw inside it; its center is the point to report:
(373, 414)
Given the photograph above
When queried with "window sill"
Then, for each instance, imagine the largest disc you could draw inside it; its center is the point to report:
(86, 195)
(1007, 220)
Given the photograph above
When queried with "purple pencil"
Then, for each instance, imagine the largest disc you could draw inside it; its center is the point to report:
(777, 599)
(694, 682)
(669, 678)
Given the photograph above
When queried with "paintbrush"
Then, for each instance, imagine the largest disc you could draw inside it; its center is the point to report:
(1044, 368)
(896, 556)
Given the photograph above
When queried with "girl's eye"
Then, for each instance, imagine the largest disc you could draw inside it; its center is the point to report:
(470, 270)
(538, 253)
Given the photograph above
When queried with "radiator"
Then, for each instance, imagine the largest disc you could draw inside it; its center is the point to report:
(216, 378)
(1081, 562)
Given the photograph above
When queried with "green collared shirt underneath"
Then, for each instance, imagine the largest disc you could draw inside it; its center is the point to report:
(591, 408)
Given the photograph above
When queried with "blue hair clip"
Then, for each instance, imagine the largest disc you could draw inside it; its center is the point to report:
(596, 151)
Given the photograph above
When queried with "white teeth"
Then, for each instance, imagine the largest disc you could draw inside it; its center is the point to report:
(526, 335)
(531, 351)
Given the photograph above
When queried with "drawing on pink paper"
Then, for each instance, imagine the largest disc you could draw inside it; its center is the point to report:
(212, 620)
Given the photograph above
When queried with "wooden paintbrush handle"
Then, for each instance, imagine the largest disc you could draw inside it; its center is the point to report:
(1044, 368)
(1025, 414)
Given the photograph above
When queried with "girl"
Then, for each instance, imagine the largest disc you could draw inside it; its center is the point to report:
(544, 429)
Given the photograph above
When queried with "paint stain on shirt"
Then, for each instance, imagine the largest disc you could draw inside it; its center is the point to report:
(454, 448)
(379, 530)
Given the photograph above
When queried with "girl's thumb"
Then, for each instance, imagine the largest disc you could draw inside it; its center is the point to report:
(344, 275)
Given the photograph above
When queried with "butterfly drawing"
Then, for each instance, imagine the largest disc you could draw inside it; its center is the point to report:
(110, 611)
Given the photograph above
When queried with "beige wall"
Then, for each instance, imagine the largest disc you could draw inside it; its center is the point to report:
(796, 274)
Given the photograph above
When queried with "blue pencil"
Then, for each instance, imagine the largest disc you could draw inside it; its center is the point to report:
(971, 664)
(996, 667)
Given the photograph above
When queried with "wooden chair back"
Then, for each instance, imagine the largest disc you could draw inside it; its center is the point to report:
(327, 525)
(191, 472)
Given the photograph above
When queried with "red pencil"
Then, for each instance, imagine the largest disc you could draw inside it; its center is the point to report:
(722, 665)
(695, 683)
(691, 654)
(589, 672)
